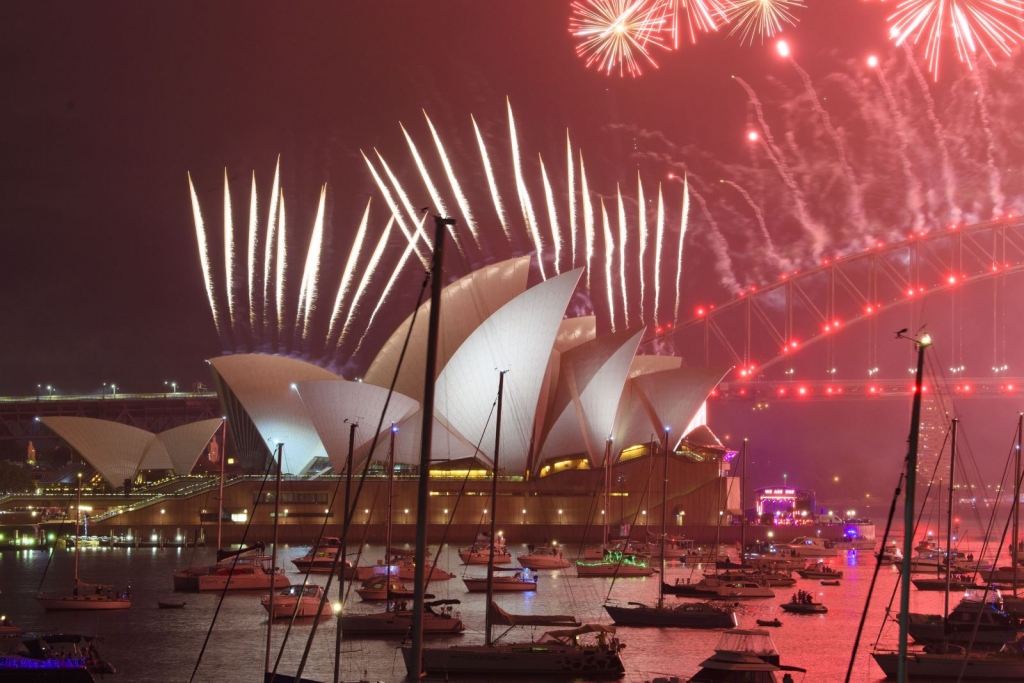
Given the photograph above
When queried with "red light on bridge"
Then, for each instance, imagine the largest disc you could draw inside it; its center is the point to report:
(783, 276)
(793, 343)
(753, 288)
(995, 267)
(824, 262)
(910, 292)
(829, 390)
(714, 392)
(743, 392)
(802, 391)
(869, 309)
(781, 391)
(1008, 387)
(700, 312)
(951, 279)
(873, 390)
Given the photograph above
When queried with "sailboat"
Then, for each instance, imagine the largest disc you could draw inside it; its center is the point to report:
(85, 596)
(556, 652)
(945, 660)
(439, 616)
(686, 615)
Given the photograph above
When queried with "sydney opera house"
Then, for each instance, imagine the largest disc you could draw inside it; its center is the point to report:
(582, 430)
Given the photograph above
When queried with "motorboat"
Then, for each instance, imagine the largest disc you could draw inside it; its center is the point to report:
(63, 657)
(830, 582)
(958, 582)
(575, 652)
(480, 551)
(297, 600)
(743, 656)
(804, 608)
(934, 561)
(675, 548)
(854, 542)
(773, 623)
(244, 569)
(510, 580)
(616, 564)
(543, 557)
(808, 546)
(978, 621)
(715, 588)
(320, 558)
(819, 570)
(383, 588)
(683, 615)
(956, 663)
(407, 571)
(891, 554)
(9, 628)
(773, 579)
(439, 617)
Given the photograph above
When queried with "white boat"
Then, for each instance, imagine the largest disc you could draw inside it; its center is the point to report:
(712, 587)
(518, 581)
(480, 551)
(615, 564)
(891, 554)
(439, 617)
(301, 601)
(743, 656)
(819, 570)
(808, 546)
(320, 557)
(383, 588)
(543, 557)
(233, 572)
(85, 597)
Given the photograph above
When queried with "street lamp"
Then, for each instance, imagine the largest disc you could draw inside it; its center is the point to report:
(173, 386)
(49, 388)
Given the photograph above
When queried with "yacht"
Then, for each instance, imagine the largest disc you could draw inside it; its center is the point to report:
(978, 621)
(512, 580)
(383, 588)
(233, 572)
(300, 601)
(956, 663)
(808, 546)
(320, 557)
(684, 615)
(62, 657)
(743, 656)
(891, 554)
(819, 570)
(616, 564)
(439, 617)
(543, 557)
(480, 551)
(714, 588)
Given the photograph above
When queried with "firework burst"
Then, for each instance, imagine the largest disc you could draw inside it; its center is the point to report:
(691, 17)
(761, 18)
(976, 26)
(617, 35)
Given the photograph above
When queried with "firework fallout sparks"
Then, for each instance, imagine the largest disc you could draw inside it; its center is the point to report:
(642, 222)
(251, 253)
(460, 198)
(617, 35)
(609, 260)
(684, 222)
(282, 265)
(549, 197)
(691, 17)
(588, 220)
(364, 282)
(659, 241)
(204, 253)
(311, 273)
(229, 252)
(977, 27)
(623, 242)
(571, 182)
(761, 19)
(269, 245)
(525, 205)
(493, 185)
(411, 236)
(349, 272)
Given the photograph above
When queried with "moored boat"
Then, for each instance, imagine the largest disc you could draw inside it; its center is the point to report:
(297, 600)
(819, 570)
(616, 564)
(684, 615)
(808, 546)
(743, 656)
(517, 580)
(439, 617)
(543, 557)
(54, 657)
(481, 550)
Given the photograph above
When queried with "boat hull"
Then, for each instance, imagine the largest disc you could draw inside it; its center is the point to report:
(803, 608)
(398, 624)
(82, 603)
(931, 667)
(499, 586)
(536, 659)
(542, 562)
(612, 570)
(700, 616)
(483, 556)
(283, 608)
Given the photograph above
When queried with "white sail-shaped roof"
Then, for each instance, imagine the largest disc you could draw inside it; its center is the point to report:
(446, 444)
(645, 365)
(465, 304)
(116, 450)
(264, 385)
(186, 443)
(668, 399)
(334, 404)
(583, 417)
(517, 338)
(575, 331)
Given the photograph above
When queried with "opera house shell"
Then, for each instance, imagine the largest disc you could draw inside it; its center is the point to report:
(569, 394)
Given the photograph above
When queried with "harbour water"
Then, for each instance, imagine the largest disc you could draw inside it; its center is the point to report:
(150, 644)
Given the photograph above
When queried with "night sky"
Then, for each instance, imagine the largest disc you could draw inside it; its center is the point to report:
(107, 106)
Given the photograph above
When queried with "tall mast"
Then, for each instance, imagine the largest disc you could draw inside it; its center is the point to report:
(606, 498)
(426, 434)
(938, 565)
(743, 508)
(908, 510)
(387, 513)
(346, 515)
(1016, 505)
(664, 518)
(494, 512)
(220, 493)
(949, 526)
(273, 559)
(78, 516)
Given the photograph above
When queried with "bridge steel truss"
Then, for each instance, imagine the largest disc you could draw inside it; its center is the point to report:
(765, 326)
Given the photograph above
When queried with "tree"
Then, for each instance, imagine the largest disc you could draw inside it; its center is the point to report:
(14, 479)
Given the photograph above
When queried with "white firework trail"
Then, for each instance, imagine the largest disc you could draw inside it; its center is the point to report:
(311, 276)
(720, 248)
(573, 222)
(658, 245)
(995, 179)
(282, 266)
(524, 197)
(204, 253)
(623, 241)
(818, 236)
(251, 253)
(856, 196)
(491, 183)
(556, 234)
(588, 219)
(410, 210)
(364, 282)
(773, 255)
(435, 196)
(955, 213)
(229, 252)
(642, 220)
(684, 222)
(268, 248)
(386, 293)
(914, 192)
(609, 259)
(397, 213)
(460, 198)
(349, 272)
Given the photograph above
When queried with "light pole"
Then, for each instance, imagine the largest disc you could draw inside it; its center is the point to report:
(173, 386)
